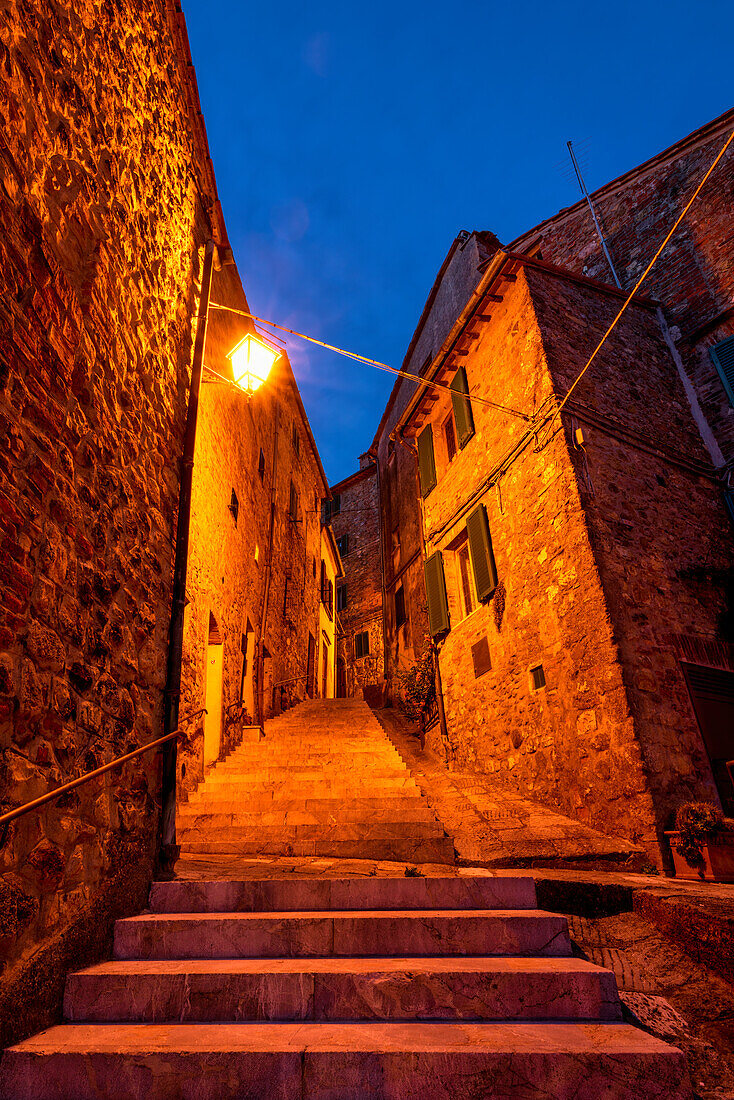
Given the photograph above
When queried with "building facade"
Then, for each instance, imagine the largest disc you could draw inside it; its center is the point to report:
(637, 715)
(355, 518)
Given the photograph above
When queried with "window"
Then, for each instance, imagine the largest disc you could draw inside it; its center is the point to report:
(261, 465)
(722, 355)
(341, 597)
(400, 606)
(361, 644)
(482, 555)
(426, 461)
(343, 544)
(467, 590)
(463, 417)
(438, 606)
(293, 504)
(449, 435)
(537, 677)
(332, 507)
(296, 440)
(234, 507)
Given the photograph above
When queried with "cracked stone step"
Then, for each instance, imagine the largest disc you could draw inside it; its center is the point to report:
(292, 894)
(323, 1061)
(342, 989)
(341, 813)
(431, 849)
(341, 933)
(291, 834)
(368, 806)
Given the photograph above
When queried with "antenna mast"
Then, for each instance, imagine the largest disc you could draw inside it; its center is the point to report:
(585, 193)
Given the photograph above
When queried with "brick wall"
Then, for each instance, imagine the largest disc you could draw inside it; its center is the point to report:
(694, 277)
(359, 522)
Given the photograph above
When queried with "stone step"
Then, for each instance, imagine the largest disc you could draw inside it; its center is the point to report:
(437, 849)
(326, 786)
(292, 834)
(293, 894)
(342, 989)
(341, 933)
(326, 1061)
(293, 773)
(237, 814)
(395, 805)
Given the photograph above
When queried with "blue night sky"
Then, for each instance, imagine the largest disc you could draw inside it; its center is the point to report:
(352, 142)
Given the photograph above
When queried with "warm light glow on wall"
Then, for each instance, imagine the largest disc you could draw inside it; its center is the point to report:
(252, 360)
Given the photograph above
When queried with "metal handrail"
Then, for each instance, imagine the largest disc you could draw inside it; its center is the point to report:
(20, 811)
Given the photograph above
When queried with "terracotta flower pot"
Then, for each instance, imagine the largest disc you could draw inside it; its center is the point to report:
(718, 858)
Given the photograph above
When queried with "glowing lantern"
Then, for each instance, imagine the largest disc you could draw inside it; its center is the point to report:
(251, 361)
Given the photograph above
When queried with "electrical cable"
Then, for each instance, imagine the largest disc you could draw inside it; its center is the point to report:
(370, 362)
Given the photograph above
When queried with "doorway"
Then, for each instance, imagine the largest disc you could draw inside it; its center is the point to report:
(325, 651)
(712, 697)
(213, 697)
(341, 678)
(311, 666)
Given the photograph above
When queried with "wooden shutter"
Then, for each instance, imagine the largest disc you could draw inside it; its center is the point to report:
(480, 546)
(723, 357)
(438, 607)
(426, 461)
(481, 658)
(462, 408)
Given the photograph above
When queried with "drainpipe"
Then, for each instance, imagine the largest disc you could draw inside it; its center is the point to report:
(268, 574)
(169, 851)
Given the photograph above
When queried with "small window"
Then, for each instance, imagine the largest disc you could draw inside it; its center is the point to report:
(361, 644)
(313, 566)
(341, 597)
(293, 504)
(537, 677)
(343, 544)
(296, 440)
(400, 606)
(449, 435)
(332, 507)
(234, 507)
(467, 589)
(261, 465)
(481, 658)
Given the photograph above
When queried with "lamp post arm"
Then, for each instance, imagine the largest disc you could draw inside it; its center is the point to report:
(168, 850)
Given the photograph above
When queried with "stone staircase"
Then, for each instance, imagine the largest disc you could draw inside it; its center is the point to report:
(324, 781)
(448, 988)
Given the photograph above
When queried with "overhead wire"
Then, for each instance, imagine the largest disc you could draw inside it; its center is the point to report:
(426, 382)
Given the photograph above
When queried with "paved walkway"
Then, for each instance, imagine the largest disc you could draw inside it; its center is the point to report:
(493, 825)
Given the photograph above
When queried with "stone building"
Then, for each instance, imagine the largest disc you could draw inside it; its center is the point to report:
(355, 518)
(635, 712)
(107, 200)
(254, 585)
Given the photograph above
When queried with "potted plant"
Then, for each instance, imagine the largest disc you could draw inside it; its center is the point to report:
(702, 843)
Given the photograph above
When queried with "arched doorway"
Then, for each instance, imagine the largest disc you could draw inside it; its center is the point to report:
(341, 678)
(213, 699)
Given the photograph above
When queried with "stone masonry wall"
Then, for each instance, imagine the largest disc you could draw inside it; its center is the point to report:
(662, 541)
(102, 226)
(359, 520)
(572, 743)
(229, 561)
(694, 277)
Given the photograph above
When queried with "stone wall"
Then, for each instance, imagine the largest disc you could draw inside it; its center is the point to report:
(255, 447)
(694, 277)
(358, 521)
(103, 224)
(602, 553)
(400, 515)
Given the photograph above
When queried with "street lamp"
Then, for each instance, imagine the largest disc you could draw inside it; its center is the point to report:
(251, 361)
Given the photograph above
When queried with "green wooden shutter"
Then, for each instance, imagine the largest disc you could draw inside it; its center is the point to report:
(462, 408)
(723, 357)
(438, 607)
(480, 548)
(426, 461)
